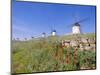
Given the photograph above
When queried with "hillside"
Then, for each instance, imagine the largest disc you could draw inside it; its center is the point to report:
(48, 54)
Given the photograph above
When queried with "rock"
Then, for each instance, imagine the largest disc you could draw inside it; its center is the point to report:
(66, 42)
(74, 43)
(93, 47)
(81, 47)
(84, 40)
(88, 48)
(91, 41)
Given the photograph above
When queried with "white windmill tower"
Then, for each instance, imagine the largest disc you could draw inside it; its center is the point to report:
(53, 31)
(43, 34)
(76, 29)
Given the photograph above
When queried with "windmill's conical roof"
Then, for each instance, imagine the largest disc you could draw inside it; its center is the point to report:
(43, 33)
(54, 31)
(76, 24)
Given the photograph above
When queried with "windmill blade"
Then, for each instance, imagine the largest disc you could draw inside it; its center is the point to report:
(80, 21)
(83, 20)
(52, 27)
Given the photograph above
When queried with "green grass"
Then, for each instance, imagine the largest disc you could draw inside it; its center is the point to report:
(39, 56)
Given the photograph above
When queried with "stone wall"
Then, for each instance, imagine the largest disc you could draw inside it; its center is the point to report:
(83, 43)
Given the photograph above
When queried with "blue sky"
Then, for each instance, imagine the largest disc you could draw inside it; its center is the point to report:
(32, 19)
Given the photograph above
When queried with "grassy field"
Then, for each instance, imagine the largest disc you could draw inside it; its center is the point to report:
(46, 54)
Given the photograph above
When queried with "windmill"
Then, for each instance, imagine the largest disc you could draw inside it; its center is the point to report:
(76, 29)
(32, 37)
(53, 31)
(76, 26)
(17, 39)
(25, 39)
(43, 34)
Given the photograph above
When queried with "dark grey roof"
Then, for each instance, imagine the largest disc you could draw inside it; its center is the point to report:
(76, 24)
(43, 33)
(54, 31)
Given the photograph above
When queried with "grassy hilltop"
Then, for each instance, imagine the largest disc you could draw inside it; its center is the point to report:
(46, 54)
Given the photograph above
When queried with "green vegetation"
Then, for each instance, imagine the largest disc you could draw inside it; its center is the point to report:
(47, 54)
